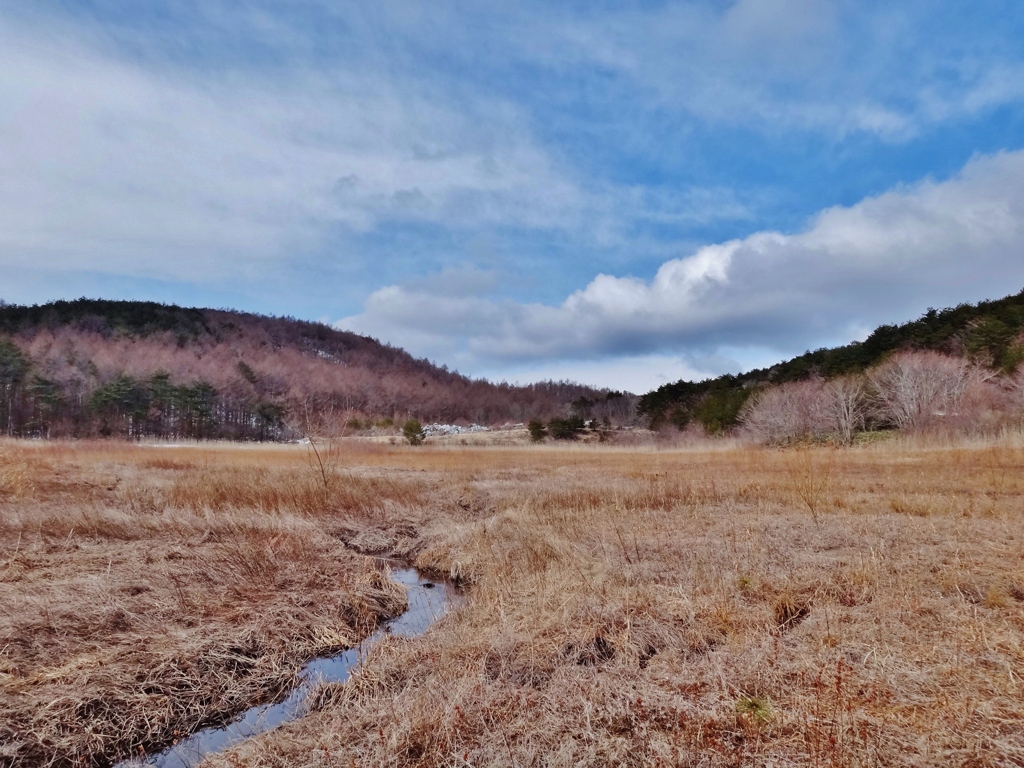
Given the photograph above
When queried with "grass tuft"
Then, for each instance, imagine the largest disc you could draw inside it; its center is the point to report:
(755, 708)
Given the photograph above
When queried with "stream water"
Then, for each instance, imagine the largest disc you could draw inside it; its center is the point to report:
(428, 601)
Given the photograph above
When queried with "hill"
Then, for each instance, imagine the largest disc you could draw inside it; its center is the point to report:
(989, 332)
(135, 368)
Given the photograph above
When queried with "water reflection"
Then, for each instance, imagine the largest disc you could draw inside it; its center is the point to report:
(428, 601)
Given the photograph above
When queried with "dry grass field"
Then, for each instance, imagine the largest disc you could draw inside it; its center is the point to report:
(708, 606)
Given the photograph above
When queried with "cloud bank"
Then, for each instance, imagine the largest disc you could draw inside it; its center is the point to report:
(881, 260)
(154, 170)
(801, 64)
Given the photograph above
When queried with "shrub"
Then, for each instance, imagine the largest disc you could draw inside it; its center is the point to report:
(566, 429)
(537, 430)
(413, 432)
(756, 708)
(810, 408)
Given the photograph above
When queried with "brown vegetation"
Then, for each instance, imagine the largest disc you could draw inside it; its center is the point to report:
(189, 373)
(910, 391)
(710, 606)
(144, 593)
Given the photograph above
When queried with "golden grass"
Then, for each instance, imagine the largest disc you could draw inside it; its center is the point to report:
(701, 608)
(724, 606)
(144, 594)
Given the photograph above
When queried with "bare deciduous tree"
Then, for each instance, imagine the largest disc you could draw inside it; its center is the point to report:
(785, 412)
(844, 406)
(811, 408)
(912, 389)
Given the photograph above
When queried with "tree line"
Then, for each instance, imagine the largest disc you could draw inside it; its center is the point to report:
(988, 335)
(909, 391)
(32, 405)
(134, 369)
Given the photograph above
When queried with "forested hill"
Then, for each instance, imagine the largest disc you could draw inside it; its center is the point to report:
(137, 368)
(990, 332)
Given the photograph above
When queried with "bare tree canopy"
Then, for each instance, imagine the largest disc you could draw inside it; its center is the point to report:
(140, 368)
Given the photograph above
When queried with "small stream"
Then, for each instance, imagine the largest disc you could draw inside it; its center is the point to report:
(428, 601)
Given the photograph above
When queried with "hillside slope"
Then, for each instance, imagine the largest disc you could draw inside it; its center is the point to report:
(989, 332)
(141, 368)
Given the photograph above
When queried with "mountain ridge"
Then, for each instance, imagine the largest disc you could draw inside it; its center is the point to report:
(133, 368)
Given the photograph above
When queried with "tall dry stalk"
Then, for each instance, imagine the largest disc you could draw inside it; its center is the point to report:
(810, 473)
(322, 428)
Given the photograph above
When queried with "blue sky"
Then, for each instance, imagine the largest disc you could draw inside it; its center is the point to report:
(620, 193)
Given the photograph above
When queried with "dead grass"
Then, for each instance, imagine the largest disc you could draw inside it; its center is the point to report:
(143, 596)
(740, 607)
(734, 606)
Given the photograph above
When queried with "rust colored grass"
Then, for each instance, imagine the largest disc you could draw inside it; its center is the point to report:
(709, 605)
(144, 595)
(737, 607)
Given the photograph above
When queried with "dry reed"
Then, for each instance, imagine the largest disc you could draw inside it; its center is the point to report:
(732, 606)
(144, 595)
(739, 607)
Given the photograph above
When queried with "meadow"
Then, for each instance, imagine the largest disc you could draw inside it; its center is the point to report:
(712, 604)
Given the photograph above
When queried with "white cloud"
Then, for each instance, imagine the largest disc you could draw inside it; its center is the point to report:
(882, 260)
(638, 374)
(146, 166)
(819, 65)
(151, 170)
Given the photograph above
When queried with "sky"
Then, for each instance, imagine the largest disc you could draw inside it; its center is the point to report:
(618, 193)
